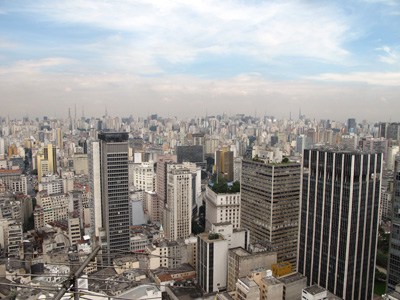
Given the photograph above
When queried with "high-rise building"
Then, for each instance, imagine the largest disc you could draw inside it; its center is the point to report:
(393, 131)
(222, 207)
(177, 220)
(270, 205)
(60, 142)
(161, 177)
(110, 157)
(51, 156)
(394, 252)
(95, 188)
(190, 154)
(351, 125)
(339, 221)
(224, 164)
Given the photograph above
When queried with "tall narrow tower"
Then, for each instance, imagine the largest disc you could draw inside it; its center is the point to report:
(394, 252)
(177, 220)
(113, 154)
(339, 221)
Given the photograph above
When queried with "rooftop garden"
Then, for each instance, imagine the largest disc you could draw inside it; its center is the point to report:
(225, 187)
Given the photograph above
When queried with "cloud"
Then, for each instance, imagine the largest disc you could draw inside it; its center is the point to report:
(373, 78)
(35, 66)
(4, 43)
(390, 57)
(180, 31)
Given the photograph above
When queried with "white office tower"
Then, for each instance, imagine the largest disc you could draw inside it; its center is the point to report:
(2, 146)
(177, 221)
(95, 189)
(392, 152)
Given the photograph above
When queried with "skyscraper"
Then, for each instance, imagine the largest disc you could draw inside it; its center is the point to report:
(270, 205)
(394, 252)
(177, 220)
(161, 177)
(109, 159)
(351, 125)
(224, 164)
(339, 221)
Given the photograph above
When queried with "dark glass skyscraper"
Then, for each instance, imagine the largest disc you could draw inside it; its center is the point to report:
(339, 221)
(394, 252)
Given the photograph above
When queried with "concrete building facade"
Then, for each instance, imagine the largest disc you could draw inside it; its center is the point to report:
(270, 199)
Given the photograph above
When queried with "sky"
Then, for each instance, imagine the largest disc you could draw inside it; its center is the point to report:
(331, 59)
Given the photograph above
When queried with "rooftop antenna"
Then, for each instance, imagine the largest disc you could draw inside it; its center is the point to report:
(69, 112)
(75, 110)
(106, 110)
(83, 112)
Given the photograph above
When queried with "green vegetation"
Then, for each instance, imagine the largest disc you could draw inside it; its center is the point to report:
(203, 174)
(380, 275)
(30, 225)
(379, 287)
(381, 259)
(255, 158)
(222, 187)
(383, 248)
(34, 172)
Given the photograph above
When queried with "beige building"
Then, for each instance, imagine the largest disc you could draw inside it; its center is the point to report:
(222, 208)
(177, 221)
(241, 262)
(81, 164)
(270, 205)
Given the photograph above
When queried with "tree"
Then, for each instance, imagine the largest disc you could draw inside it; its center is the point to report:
(380, 275)
(34, 172)
(381, 259)
(235, 187)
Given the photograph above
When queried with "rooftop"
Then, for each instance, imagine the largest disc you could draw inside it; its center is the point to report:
(394, 294)
(114, 136)
(291, 278)
(240, 251)
(314, 289)
(211, 237)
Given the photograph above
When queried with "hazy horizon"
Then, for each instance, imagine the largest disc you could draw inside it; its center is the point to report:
(334, 60)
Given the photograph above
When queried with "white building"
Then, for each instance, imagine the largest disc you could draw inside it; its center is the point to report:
(141, 292)
(52, 184)
(144, 176)
(222, 208)
(95, 188)
(212, 252)
(315, 292)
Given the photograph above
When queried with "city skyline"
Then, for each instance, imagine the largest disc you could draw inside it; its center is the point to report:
(333, 60)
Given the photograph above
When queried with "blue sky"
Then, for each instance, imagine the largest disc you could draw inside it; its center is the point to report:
(335, 60)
